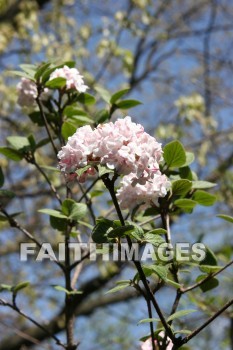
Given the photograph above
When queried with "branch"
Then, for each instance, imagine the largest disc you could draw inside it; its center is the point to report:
(53, 189)
(211, 319)
(45, 122)
(110, 186)
(27, 317)
(84, 307)
(188, 289)
(15, 224)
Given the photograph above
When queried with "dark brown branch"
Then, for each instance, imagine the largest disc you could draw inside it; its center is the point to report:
(15, 224)
(27, 317)
(210, 276)
(210, 320)
(83, 307)
(110, 186)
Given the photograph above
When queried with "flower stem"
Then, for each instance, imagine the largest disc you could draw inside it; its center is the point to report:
(110, 186)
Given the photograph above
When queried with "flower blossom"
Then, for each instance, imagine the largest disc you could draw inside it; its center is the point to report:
(28, 93)
(73, 78)
(126, 148)
(130, 195)
(123, 146)
(147, 345)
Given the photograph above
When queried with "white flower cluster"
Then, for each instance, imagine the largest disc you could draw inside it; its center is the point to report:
(27, 92)
(73, 78)
(125, 147)
(27, 89)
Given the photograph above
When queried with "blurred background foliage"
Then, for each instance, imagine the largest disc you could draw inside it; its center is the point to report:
(176, 58)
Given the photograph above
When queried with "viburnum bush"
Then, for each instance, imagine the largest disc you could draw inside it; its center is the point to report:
(148, 186)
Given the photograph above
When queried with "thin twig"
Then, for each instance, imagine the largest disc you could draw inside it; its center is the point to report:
(147, 298)
(88, 203)
(15, 308)
(211, 319)
(53, 189)
(14, 223)
(88, 189)
(212, 275)
(45, 122)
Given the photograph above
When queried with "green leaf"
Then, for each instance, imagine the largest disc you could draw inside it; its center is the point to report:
(158, 330)
(209, 284)
(67, 130)
(160, 271)
(21, 74)
(146, 320)
(4, 287)
(67, 206)
(115, 97)
(78, 211)
(204, 198)
(50, 168)
(101, 116)
(96, 193)
(151, 211)
(11, 153)
(153, 239)
(80, 120)
(210, 258)
(123, 282)
(174, 154)
(198, 185)
(127, 104)
(68, 292)
(181, 187)
(190, 157)
(56, 83)
(117, 288)
(43, 142)
(41, 69)
(6, 193)
(48, 72)
(173, 283)
(32, 142)
(83, 223)
(36, 118)
(70, 64)
(1, 177)
(52, 212)
(120, 231)
(186, 173)
(86, 99)
(20, 286)
(180, 314)
(61, 289)
(137, 232)
(58, 223)
(103, 169)
(103, 93)
(183, 331)
(30, 69)
(82, 170)
(101, 229)
(226, 217)
(185, 203)
(19, 142)
(72, 110)
(158, 231)
(209, 268)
